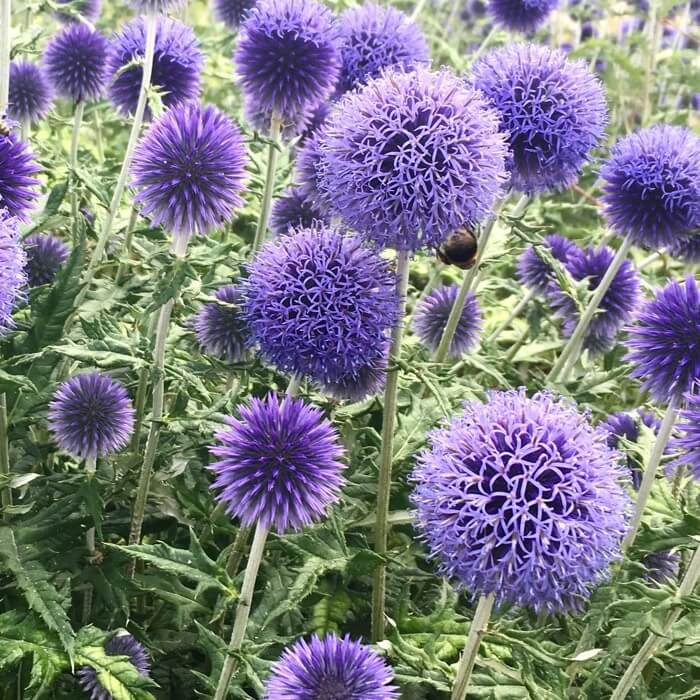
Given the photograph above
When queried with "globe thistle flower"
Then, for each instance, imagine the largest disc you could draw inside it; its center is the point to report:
(373, 38)
(664, 344)
(12, 274)
(18, 186)
(687, 249)
(232, 12)
(330, 668)
(430, 319)
(31, 96)
(219, 327)
(91, 416)
(524, 16)
(287, 56)
(552, 109)
(320, 304)
(307, 172)
(122, 644)
(521, 497)
(189, 171)
(293, 210)
(177, 64)
(278, 465)
(87, 9)
(408, 181)
(76, 62)
(368, 380)
(687, 442)
(536, 274)
(661, 567)
(45, 257)
(317, 118)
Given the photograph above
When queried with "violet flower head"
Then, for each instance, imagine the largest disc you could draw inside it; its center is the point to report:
(687, 249)
(374, 38)
(307, 174)
(46, 255)
(524, 16)
(287, 56)
(430, 319)
(521, 497)
(18, 184)
(652, 185)
(189, 171)
(91, 416)
(664, 344)
(278, 465)
(411, 157)
(687, 441)
(332, 667)
(177, 64)
(75, 61)
(534, 272)
(293, 210)
(219, 327)
(232, 12)
(31, 95)
(12, 270)
(661, 567)
(552, 110)
(87, 9)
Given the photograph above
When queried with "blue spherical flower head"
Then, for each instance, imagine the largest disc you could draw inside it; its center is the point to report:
(287, 56)
(278, 465)
(232, 12)
(374, 38)
(85, 9)
(664, 344)
(91, 416)
(219, 326)
(189, 171)
(553, 111)
(307, 171)
(412, 157)
(18, 186)
(687, 249)
(76, 62)
(45, 257)
(12, 269)
(534, 272)
(31, 96)
(652, 186)
(320, 304)
(293, 210)
(687, 442)
(522, 498)
(661, 567)
(177, 64)
(430, 319)
(330, 668)
(524, 16)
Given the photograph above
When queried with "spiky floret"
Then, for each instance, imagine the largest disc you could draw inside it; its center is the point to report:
(45, 257)
(293, 210)
(307, 171)
(534, 272)
(521, 15)
(31, 95)
(219, 326)
(18, 184)
(12, 270)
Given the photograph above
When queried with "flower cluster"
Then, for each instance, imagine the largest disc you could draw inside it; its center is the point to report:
(219, 326)
(537, 274)
(31, 95)
(45, 257)
(12, 269)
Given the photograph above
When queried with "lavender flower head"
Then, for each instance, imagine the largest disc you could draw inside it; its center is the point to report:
(521, 497)
(294, 210)
(430, 319)
(534, 272)
(524, 16)
(552, 110)
(31, 95)
(219, 328)
(189, 171)
(18, 186)
(411, 157)
(320, 304)
(687, 249)
(687, 442)
(307, 172)
(664, 344)
(91, 416)
(232, 12)
(177, 64)
(87, 9)
(45, 257)
(76, 62)
(374, 38)
(330, 668)
(366, 381)
(652, 186)
(12, 265)
(661, 567)
(287, 56)
(278, 465)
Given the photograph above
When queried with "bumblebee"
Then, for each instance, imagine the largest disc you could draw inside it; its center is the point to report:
(460, 249)
(4, 128)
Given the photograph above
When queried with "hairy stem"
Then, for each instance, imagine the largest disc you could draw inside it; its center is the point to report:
(235, 556)
(73, 162)
(272, 156)
(6, 494)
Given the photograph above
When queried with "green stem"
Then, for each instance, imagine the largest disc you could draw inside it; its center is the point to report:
(73, 162)
(6, 495)
(527, 298)
(653, 27)
(678, 481)
(293, 386)
(128, 240)
(25, 130)
(387, 452)
(5, 27)
(97, 122)
(272, 156)
(235, 556)
(569, 368)
(140, 403)
(90, 470)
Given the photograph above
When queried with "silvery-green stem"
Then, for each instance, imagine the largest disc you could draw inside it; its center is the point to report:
(90, 470)
(654, 642)
(477, 629)
(24, 130)
(140, 402)
(569, 368)
(293, 386)
(73, 160)
(417, 10)
(238, 548)
(678, 480)
(242, 610)
(653, 28)
(269, 187)
(5, 27)
(484, 44)
(98, 136)
(513, 349)
(128, 239)
(6, 494)
(527, 298)
(656, 255)
(387, 451)
(587, 316)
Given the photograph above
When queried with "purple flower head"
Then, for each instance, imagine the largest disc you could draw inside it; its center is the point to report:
(177, 64)
(232, 12)
(91, 416)
(664, 344)
(76, 62)
(524, 16)
(617, 306)
(87, 9)
(160, 7)
(219, 327)
(652, 185)
(45, 257)
(189, 170)
(18, 186)
(430, 319)
(687, 442)
(374, 38)
(327, 668)
(12, 269)
(411, 157)
(537, 274)
(294, 210)
(661, 567)
(316, 119)
(278, 464)
(522, 497)
(320, 304)
(122, 644)
(687, 249)
(31, 95)
(552, 110)
(287, 56)
(291, 126)
(308, 169)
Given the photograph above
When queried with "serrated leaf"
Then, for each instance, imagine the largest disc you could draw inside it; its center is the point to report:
(116, 674)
